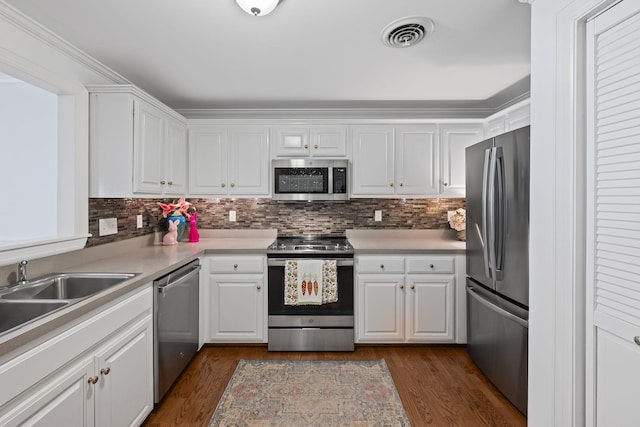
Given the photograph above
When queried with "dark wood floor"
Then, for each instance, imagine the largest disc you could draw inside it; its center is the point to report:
(439, 386)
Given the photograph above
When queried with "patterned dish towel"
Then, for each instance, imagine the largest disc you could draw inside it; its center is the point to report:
(310, 282)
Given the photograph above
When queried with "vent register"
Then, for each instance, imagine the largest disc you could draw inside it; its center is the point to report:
(407, 32)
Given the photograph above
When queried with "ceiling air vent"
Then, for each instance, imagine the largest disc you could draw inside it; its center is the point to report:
(406, 32)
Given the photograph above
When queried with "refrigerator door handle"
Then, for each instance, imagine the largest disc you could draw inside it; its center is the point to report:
(485, 216)
(501, 216)
(491, 213)
(495, 308)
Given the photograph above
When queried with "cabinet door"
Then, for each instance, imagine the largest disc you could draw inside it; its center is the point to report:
(453, 141)
(237, 308)
(208, 161)
(430, 308)
(249, 161)
(373, 162)
(176, 159)
(380, 308)
(148, 146)
(328, 141)
(67, 399)
(416, 167)
(125, 370)
(291, 141)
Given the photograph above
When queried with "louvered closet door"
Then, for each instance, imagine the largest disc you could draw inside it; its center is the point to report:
(613, 217)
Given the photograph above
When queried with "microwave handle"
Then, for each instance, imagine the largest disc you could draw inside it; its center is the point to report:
(330, 180)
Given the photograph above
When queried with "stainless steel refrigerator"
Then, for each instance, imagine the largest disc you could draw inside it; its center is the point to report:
(497, 186)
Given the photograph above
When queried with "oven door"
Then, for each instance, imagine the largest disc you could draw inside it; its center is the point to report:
(342, 307)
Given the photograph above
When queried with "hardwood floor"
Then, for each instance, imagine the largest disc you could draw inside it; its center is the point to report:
(439, 386)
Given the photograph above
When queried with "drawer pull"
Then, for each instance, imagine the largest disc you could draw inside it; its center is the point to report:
(93, 380)
(235, 266)
(381, 266)
(431, 266)
(413, 287)
(105, 371)
(637, 340)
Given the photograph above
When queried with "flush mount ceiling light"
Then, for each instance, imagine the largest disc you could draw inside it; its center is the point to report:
(258, 7)
(406, 32)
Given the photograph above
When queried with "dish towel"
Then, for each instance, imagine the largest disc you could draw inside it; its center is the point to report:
(322, 272)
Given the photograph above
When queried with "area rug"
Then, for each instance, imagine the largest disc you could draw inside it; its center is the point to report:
(310, 393)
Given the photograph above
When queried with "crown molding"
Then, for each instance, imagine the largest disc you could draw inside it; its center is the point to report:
(33, 28)
(526, 1)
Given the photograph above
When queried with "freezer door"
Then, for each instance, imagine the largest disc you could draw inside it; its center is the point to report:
(497, 341)
(477, 158)
(511, 207)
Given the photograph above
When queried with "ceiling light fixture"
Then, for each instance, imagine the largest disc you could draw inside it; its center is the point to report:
(258, 7)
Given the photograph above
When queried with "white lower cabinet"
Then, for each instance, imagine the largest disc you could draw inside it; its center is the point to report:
(405, 299)
(97, 373)
(235, 297)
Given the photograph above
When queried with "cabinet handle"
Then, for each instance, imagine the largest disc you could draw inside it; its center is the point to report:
(402, 184)
(431, 266)
(93, 380)
(306, 146)
(637, 340)
(170, 182)
(446, 184)
(401, 286)
(222, 185)
(391, 185)
(232, 185)
(381, 266)
(413, 287)
(258, 287)
(235, 266)
(315, 146)
(105, 371)
(162, 182)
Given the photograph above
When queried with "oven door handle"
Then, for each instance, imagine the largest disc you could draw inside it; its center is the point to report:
(279, 262)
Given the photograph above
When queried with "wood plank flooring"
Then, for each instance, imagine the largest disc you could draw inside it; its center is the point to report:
(438, 385)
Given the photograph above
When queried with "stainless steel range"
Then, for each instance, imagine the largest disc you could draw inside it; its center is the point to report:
(323, 327)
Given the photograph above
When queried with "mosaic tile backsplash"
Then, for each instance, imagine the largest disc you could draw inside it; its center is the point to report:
(290, 219)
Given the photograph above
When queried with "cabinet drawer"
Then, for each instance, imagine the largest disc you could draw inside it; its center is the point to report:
(239, 264)
(430, 264)
(381, 264)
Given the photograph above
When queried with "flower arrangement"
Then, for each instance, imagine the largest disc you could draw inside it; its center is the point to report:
(179, 208)
(458, 222)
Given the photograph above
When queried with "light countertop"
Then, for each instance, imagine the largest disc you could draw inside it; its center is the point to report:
(405, 241)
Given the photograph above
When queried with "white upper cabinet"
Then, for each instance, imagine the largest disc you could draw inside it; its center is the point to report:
(310, 141)
(454, 139)
(373, 160)
(229, 161)
(392, 161)
(137, 145)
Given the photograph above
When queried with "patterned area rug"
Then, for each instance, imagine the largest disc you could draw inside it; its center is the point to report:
(310, 393)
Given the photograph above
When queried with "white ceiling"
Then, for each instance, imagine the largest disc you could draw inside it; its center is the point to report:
(307, 53)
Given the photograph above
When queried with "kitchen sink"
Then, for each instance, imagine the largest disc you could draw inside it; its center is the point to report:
(16, 313)
(65, 286)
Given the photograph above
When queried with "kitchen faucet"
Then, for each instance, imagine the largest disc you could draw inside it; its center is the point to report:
(22, 272)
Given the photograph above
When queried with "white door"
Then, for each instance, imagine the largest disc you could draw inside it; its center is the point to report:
(249, 161)
(125, 371)
(329, 141)
(291, 141)
(430, 307)
(613, 216)
(380, 308)
(148, 146)
(416, 167)
(373, 164)
(176, 158)
(454, 139)
(237, 308)
(208, 161)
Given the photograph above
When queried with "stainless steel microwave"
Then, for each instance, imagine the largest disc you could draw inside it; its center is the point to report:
(310, 179)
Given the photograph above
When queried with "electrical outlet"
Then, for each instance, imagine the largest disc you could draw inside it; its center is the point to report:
(232, 216)
(377, 216)
(139, 221)
(108, 226)
(450, 214)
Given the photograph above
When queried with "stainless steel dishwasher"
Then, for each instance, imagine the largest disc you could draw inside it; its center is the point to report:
(176, 320)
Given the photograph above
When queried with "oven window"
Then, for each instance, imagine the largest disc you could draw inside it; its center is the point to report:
(301, 180)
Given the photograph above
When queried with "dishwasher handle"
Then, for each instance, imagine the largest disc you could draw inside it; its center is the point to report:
(194, 270)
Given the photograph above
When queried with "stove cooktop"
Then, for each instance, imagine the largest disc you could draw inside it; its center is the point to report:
(310, 245)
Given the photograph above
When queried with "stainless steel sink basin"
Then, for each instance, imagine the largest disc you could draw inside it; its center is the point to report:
(16, 313)
(66, 286)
